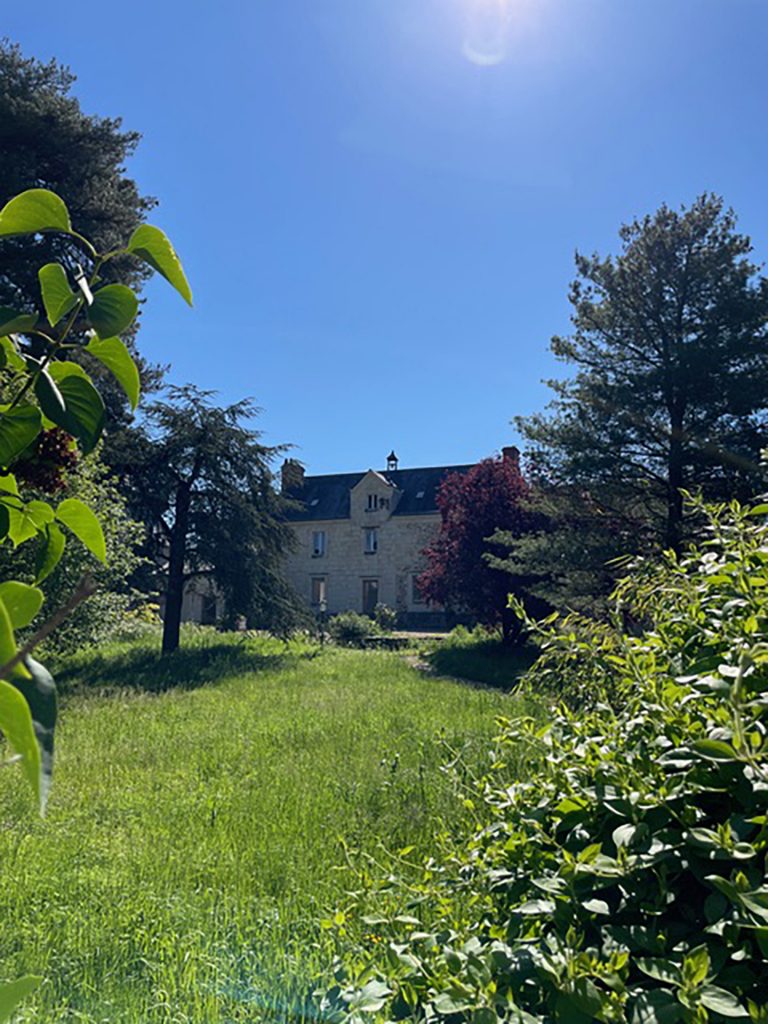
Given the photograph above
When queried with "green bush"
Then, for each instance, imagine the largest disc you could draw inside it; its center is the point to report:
(622, 878)
(350, 628)
(385, 617)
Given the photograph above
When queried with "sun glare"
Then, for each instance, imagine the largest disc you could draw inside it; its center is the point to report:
(488, 28)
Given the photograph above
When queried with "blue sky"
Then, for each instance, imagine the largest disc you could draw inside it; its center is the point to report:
(378, 201)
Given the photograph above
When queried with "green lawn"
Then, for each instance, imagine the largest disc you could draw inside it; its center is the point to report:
(480, 657)
(193, 835)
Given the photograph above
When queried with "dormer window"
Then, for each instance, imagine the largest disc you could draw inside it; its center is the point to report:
(373, 502)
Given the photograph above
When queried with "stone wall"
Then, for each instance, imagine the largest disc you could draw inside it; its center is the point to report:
(345, 563)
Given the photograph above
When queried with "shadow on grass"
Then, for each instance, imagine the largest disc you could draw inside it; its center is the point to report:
(482, 661)
(145, 669)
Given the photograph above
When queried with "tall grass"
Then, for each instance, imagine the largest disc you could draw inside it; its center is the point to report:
(192, 843)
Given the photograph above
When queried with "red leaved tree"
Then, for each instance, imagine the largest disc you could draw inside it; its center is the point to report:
(475, 505)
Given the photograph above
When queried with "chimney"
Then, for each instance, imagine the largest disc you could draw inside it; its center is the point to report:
(291, 476)
(511, 456)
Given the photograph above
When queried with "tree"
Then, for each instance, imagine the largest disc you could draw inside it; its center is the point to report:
(50, 406)
(48, 142)
(670, 389)
(474, 506)
(200, 480)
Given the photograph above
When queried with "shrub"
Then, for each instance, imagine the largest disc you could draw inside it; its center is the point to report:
(350, 628)
(623, 878)
(385, 617)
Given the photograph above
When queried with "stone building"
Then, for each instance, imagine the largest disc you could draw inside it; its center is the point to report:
(360, 538)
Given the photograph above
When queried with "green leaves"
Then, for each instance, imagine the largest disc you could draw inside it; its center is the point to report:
(33, 211)
(12, 321)
(49, 552)
(27, 520)
(58, 297)
(16, 723)
(640, 812)
(9, 355)
(152, 246)
(113, 354)
(39, 691)
(114, 309)
(13, 992)
(18, 429)
(21, 601)
(78, 518)
(69, 399)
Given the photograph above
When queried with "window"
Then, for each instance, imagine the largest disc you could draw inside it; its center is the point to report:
(416, 596)
(370, 596)
(318, 543)
(371, 541)
(318, 590)
(373, 502)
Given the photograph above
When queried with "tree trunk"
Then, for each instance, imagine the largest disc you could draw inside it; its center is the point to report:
(674, 531)
(174, 592)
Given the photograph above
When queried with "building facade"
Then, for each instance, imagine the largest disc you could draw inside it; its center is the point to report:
(360, 537)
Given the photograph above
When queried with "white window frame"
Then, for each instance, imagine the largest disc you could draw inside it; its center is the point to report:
(322, 590)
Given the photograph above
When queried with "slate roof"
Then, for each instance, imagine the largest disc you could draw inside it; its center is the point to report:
(327, 497)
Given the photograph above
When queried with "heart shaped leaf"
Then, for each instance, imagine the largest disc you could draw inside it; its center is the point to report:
(114, 309)
(58, 297)
(83, 412)
(11, 320)
(77, 517)
(35, 210)
(49, 553)
(113, 354)
(153, 246)
(21, 601)
(18, 429)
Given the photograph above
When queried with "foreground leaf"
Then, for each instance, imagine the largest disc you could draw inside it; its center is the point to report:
(113, 354)
(18, 429)
(49, 553)
(29, 520)
(12, 321)
(153, 246)
(39, 691)
(78, 518)
(114, 309)
(12, 993)
(35, 210)
(10, 354)
(83, 413)
(18, 728)
(21, 601)
(58, 297)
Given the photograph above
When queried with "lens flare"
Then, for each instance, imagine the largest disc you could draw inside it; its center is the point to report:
(488, 25)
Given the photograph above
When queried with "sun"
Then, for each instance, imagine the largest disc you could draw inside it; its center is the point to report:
(488, 28)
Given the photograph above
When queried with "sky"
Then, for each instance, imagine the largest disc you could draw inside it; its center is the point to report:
(377, 202)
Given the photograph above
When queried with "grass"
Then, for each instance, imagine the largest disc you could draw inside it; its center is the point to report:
(192, 841)
(480, 656)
